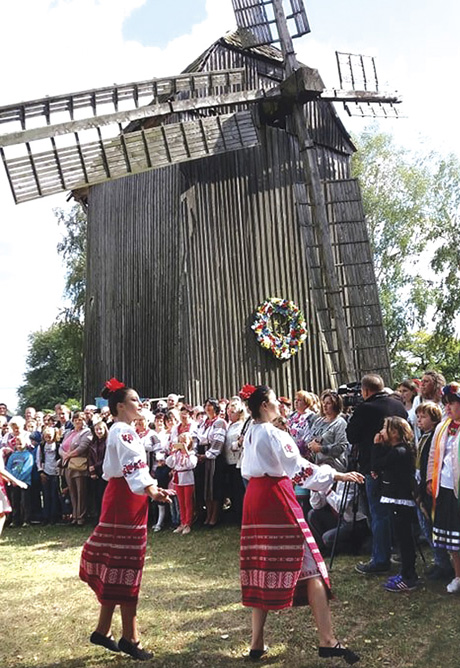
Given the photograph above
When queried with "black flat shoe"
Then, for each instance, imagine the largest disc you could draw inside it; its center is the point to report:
(108, 642)
(133, 649)
(338, 650)
(257, 654)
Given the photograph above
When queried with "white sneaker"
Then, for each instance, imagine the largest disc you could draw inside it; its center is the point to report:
(454, 586)
(156, 529)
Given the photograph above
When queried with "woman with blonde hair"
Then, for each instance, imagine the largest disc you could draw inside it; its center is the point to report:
(74, 455)
(300, 422)
(233, 450)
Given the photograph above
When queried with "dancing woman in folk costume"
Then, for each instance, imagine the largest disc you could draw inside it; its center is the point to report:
(443, 481)
(281, 565)
(113, 556)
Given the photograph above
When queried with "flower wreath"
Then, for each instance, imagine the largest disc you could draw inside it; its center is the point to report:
(272, 316)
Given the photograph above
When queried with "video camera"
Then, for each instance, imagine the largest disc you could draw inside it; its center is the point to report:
(351, 394)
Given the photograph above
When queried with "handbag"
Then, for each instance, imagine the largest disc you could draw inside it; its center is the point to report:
(77, 464)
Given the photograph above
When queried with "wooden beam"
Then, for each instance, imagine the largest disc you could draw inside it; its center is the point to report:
(159, 110)
(336, 95)
(42, 174)
(205, 82)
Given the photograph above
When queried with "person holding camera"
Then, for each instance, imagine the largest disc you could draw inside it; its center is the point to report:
(366, 421)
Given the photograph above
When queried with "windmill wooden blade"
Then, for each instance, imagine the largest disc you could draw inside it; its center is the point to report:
(363, 98)
(37, 175)
(74, 112)
(258, 19)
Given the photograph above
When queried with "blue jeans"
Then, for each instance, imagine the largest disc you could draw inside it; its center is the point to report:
(380, 522)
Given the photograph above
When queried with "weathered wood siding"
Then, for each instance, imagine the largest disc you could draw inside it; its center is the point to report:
(180, 258)
(179, 261)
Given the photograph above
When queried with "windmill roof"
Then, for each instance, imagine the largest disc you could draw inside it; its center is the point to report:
(235, 39)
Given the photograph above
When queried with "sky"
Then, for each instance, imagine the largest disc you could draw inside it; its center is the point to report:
(51, 47)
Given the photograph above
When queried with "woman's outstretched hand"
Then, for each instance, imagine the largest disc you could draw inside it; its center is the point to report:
(351, 476)
(160, 495)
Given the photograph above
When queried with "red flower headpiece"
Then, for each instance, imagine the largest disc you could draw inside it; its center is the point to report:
(113, 385)
(246, 391)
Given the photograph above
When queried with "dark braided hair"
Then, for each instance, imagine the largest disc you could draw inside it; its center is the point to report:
(257, 398)
(114, 398)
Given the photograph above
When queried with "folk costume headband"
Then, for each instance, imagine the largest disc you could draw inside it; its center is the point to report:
(451, 390)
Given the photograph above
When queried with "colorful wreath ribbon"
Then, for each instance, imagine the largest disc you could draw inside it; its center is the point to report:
(283, 347)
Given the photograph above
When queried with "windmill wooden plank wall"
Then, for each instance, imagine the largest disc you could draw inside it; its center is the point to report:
(180, 258)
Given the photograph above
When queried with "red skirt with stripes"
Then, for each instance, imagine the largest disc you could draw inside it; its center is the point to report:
(274, 538)
(113, 556)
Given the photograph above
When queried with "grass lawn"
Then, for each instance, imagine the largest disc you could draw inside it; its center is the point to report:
(190, 612)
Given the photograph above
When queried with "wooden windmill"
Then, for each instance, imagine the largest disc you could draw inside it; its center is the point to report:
(85, 141)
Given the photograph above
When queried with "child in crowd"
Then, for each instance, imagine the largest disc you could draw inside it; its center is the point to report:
(48, 466)
(19, 465)
(428, 416)
(161, 474)
(5, 506)
(395, 459)
(182, 461)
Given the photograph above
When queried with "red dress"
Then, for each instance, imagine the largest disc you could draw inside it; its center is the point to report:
(113, 557)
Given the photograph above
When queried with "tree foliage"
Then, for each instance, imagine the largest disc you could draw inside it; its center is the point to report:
(411, 202)
(72, 248)
(54, 366)
(55, 357)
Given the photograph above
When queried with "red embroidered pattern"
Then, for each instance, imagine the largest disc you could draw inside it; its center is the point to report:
(303, 474)
(133, 466)
(127, 438)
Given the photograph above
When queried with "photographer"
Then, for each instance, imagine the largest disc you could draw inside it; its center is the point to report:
(366, 421)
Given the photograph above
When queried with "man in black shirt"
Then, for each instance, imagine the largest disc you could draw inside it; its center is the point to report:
(366, 421)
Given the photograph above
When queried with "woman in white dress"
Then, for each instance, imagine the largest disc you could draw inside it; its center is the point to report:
(281, 565)
(112, 559)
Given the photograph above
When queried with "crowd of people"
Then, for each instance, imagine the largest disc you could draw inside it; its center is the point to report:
(257, 460)
(57, 460)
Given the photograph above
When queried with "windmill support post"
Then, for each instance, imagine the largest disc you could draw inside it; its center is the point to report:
(319, 219)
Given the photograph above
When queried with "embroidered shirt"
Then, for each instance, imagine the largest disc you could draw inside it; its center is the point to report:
(125, 457)
(269, 451)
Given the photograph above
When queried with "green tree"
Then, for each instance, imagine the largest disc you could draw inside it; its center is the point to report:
(54, 366)
(423, 350)
(55, 357)
(395, 190)
(445, 237)
(411, 203)
(72, 248)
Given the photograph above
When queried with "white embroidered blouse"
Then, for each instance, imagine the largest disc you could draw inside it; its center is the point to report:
(269, 451)
(125, 457)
